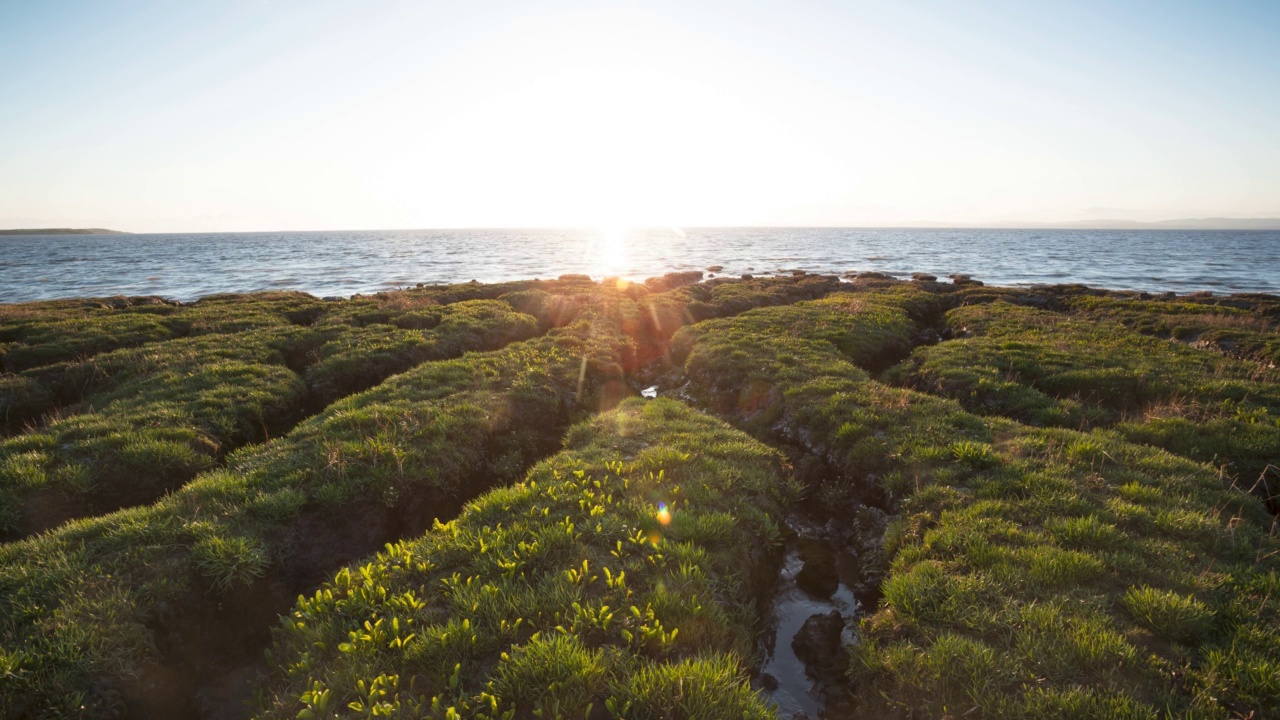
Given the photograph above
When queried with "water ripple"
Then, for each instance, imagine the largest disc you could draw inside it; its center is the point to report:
(186, 267)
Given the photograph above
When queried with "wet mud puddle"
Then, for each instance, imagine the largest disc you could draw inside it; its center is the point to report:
(814, 611)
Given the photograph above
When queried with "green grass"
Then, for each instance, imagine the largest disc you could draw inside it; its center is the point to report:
(561, 594)
(1241, 326)
(37, 334)
(22, 400)
(1056, 547)
(350, 359)
(1049, 368)
(1015, 548)
(88, 607)
(155, 416)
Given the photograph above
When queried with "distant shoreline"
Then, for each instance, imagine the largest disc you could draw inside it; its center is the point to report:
(63, 231)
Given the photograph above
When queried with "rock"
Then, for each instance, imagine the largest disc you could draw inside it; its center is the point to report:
(962, 279)
(871, 275)
(572, 277)
(768, 682)
(673, 280)
(818, 575)
(798, 273)
(715, 268)
(819, 647)
(748, 276)
(923, 277)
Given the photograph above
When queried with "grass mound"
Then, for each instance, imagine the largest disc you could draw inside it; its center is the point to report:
(1032, 572)
(129, 611)
(1243, 326)
(153, 417)
(35, 334)
(1049, 368)
(617, 577)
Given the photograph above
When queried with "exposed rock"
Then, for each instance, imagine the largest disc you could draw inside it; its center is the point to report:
(575, 277)
(871, 275)
(923, 277)
(715, 268)
(961, 279)
(862, 534)
(673, 280)
(818, 575)
(748, 276)
(819, 647)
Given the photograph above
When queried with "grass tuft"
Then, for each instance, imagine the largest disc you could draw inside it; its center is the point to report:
(1171, 615)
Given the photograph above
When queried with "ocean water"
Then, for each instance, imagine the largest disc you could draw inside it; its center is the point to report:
(189, 266)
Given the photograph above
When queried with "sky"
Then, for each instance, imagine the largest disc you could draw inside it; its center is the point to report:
(240, 115)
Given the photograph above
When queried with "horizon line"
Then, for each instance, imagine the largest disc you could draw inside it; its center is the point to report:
(1202, 224)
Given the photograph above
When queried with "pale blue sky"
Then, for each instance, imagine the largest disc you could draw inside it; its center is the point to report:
(189, 116)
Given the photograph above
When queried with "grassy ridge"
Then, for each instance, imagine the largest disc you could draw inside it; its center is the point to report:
(42, 333)
(43, 344)
(616, 576)
(155, 416)
(125, 611)
(1033, 572)
(1048, 368)
(1243, 326)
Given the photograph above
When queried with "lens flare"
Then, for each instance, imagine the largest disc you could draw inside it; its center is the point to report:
(664, 515)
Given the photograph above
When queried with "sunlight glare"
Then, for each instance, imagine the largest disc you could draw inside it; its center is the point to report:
(610, 249)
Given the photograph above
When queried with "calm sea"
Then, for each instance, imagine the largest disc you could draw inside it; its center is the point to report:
(188, 266)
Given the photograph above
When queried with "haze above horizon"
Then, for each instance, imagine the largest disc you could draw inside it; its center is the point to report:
(240, 116)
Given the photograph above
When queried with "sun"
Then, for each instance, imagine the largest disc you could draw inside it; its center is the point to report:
(610, 249)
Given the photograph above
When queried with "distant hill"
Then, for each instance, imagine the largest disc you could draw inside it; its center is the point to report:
(1187, 224)
(62, 231)
(1115, 224)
